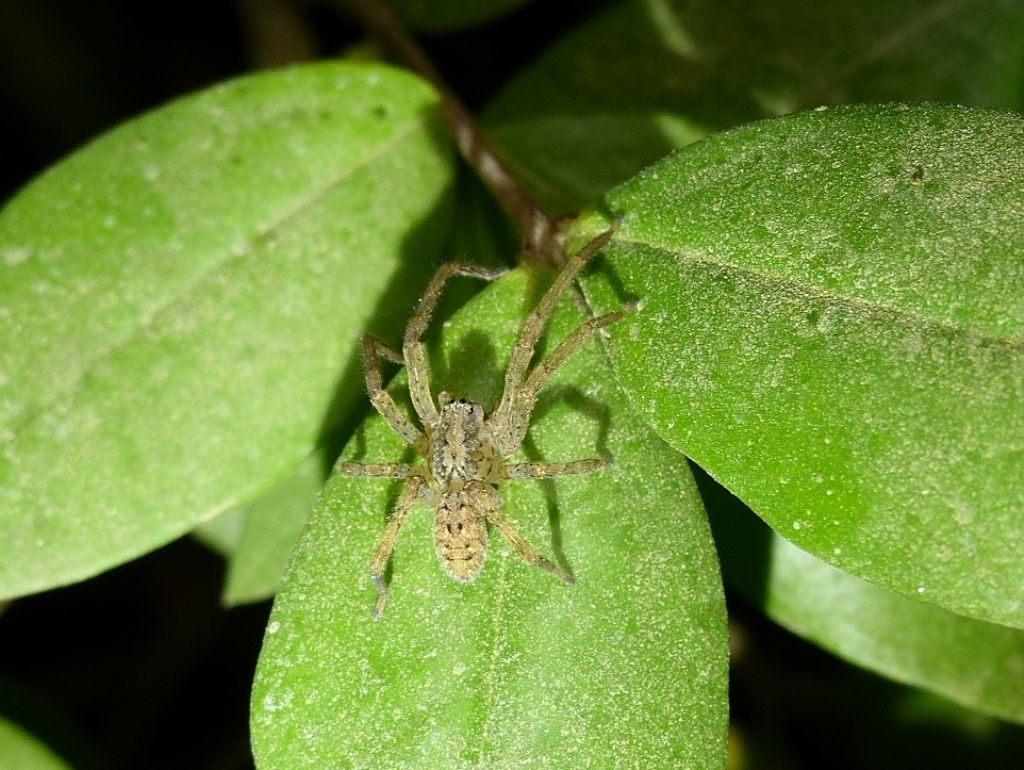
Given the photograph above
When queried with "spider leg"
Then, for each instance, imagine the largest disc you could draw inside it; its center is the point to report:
(410, 492)
(518, 417)
(374, 349)
(412, 346)
(547, 470)
(534, 325)
(527, 552)
(386, 470)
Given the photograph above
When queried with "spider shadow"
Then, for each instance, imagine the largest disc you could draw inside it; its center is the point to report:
(602, 270)
(580, 402)
(470, 370)
(357, 442)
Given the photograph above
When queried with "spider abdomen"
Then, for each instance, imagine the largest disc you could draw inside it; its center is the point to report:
(460, 531)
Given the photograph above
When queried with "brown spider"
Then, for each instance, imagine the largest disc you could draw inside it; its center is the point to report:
(467, 452)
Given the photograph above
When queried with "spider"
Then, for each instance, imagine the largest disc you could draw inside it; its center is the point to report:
(467, 451)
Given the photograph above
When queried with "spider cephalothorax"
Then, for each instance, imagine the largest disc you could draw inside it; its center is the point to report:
(460, 445)
(467, 450)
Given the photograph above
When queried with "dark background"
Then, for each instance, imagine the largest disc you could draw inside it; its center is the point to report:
(141, 667)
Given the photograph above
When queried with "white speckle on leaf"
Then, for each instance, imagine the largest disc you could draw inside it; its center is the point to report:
(16, 255)
(274, 627)
(798, 524)
(151, 172)
(459, 668)
(963, 517)
(920, 589)
(272, 704)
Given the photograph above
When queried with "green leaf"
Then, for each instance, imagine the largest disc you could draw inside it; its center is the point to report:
(647, 76)
(975, 663)
(181, 303)
(222, 533)
(451, 15)
(834, 330)
(272, 527)
(626, 667)
(20, 750)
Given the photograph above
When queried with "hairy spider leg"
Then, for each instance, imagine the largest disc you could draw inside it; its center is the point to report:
(373, 350)
(523, 547)
(380, 470)
(547, 470)
(512, 433)
(412, 346)
(535, 322)
(410, 492)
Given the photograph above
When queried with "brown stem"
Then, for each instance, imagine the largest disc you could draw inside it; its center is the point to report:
(541, 234)
(276, 32)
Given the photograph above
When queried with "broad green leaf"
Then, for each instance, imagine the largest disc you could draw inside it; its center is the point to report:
(834, 330)
(21, 751)
(646, 76)
(977, 664)
(626, 667)
(181, 301)
(272, 526)
(450, 15)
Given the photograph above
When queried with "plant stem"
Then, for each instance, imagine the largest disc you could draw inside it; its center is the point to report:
(541, 233)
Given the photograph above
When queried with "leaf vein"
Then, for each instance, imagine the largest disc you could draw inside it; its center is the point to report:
(700, 257)
(148, 320)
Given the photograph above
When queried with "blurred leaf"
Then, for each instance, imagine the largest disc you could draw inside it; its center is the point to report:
(626, 667)
(977, 664)
(21, 751)
(451, 15)
(834, 330)
(272, 526)
(482, 233)
(181, 301)
(647, 76)
(790, 701)
(223, 532)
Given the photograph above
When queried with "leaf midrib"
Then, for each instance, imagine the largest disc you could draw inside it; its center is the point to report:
(149, 318)
(696, 256)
